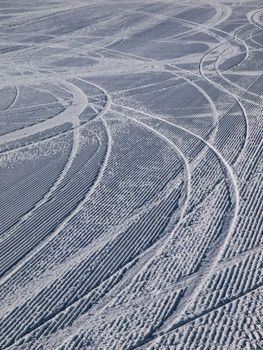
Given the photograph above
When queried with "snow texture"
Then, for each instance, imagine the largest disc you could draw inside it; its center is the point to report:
(131, 174)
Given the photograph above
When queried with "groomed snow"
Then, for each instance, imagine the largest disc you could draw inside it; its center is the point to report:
(131, 175)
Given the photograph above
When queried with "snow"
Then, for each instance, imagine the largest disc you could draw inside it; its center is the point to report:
(131, 175)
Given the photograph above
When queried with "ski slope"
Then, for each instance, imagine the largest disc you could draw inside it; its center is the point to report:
(131, 175)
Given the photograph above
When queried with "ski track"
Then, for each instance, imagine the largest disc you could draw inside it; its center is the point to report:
(13, 102)
(76, 129)
(63, 224)
(68, 165)
(83, 62)
(102, 242)
(235, 192)
(69, 115)
(236, 99)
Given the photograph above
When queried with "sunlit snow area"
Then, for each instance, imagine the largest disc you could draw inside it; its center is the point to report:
(131, 174)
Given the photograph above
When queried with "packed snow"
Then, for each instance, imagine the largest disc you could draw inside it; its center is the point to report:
(131, 174)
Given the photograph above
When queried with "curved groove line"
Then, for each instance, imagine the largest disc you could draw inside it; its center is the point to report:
(177, 150)
(235, 192)
(63, 224)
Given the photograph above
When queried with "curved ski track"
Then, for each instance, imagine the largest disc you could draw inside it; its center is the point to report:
(113, 67)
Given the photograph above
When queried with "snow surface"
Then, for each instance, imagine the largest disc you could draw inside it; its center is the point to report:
(131, 174)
